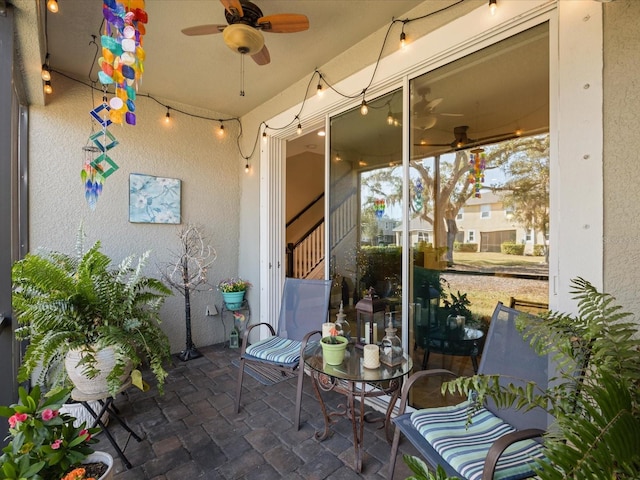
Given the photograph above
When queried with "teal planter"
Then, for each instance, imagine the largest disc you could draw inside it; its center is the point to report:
(233, 300)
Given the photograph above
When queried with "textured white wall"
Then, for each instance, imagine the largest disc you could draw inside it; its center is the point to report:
(621, 146)
(189, 150)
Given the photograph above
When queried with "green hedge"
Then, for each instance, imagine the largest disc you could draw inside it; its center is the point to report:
(539, 250)
(512, 248)
(465, 247)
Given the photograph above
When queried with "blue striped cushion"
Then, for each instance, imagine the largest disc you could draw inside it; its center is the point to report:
(276, 349)
(465, 447)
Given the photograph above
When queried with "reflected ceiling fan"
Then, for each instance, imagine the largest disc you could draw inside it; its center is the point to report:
(243, 34)
(461, 139)
(425, 112)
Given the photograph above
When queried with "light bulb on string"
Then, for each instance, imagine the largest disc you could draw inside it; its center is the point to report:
(167, 117)
(299, 129)
(48, 89)
(264, 136)
(493, 5)
(389, 118)
(52, 6)
(46, 72)
(221, 130)
(364, 109)
(246, 167)
(403, 39)
(320, 90)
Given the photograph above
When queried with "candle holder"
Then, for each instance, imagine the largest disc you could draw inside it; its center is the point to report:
(369, 319)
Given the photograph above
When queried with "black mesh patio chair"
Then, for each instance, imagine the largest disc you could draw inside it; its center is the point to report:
(304, 308)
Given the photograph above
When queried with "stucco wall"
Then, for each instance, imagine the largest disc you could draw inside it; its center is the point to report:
(188, 149)
(621, 147)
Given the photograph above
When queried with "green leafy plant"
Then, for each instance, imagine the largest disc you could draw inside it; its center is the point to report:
(78, 301)
(43, 444)
(233, 285)
(458, 305)
(422, 472)
(596, 434)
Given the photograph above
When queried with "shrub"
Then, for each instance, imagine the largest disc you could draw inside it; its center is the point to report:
(512, 248)
(465, 247)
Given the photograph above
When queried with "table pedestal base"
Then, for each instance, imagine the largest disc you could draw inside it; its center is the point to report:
(354, 390)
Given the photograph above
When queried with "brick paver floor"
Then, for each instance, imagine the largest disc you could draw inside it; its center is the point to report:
(192, 431)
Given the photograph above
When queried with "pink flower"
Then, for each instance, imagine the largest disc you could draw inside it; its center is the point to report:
(56, 444)
(85, 432)
(48, 414)
(17, 417)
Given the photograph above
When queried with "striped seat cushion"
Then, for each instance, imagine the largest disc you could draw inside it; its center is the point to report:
(465, 446)
(276, 349)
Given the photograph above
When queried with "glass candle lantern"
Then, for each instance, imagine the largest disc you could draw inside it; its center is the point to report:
(391, 347)
(369, 318)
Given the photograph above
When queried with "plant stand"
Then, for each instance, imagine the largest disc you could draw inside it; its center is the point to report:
(106, 401)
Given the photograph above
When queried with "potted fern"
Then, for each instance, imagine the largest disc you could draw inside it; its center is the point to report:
(79, 306)
(597, 411)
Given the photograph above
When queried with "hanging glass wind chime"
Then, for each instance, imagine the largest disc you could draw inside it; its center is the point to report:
(476, 170)
(121, 65)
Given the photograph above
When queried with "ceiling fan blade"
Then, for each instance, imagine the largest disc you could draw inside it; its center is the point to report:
(233, 7)
(262, 57)
(434, 103)
(203, 29)
(284, 23)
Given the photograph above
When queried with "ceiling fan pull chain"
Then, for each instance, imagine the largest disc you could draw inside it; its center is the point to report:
(242, 75)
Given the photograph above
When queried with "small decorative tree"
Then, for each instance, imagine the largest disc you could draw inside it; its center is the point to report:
(188, 274)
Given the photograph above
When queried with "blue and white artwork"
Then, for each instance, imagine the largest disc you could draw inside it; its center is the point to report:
(154, 199)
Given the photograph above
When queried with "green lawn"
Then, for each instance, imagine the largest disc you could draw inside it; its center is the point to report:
(484, 291)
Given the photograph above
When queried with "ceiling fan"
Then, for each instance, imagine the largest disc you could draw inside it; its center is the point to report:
(425, 110)
(246, 22)
(461, 139)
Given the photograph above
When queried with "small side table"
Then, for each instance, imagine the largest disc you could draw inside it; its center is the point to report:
(106, 402)
(243, 312)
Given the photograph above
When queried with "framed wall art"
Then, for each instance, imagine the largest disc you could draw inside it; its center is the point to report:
(154, 199)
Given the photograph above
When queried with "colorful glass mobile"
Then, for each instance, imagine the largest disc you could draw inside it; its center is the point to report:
(419, 188)
(121, 65)
(379, 206)
(476, 170)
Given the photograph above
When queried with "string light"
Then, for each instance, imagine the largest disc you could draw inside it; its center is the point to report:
(299, 129)
(46, 72)
(493, 5)
(403, 39)
(48, 89)
(364, 109)
(264, 136)
(167, 117)
(221, 130)
(320, 90)
(52, 6)
(389, 118)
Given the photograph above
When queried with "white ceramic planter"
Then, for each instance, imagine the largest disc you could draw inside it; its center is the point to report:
(106, 360)
(102, 457)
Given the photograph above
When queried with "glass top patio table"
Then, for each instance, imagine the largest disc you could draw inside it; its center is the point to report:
(355, 382)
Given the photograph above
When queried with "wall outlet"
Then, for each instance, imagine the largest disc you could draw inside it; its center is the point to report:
(211, 311)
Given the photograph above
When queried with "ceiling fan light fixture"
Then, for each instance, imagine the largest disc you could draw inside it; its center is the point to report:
(243, 38)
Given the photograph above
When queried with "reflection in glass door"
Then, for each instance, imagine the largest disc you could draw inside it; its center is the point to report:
(365, 213)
